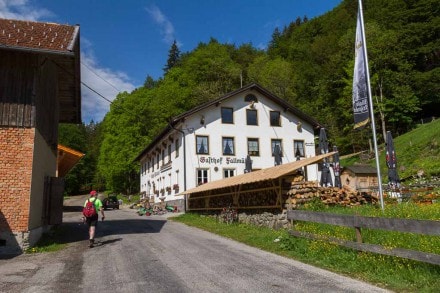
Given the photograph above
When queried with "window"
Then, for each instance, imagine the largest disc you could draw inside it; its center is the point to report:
(169, 153)
(228, 146)
(202, 176)
(228, 173)
(177, 147)
(253, 147)
(202, 145)
(152, 165)
(251, 117)
(275, 143)
(275, 118)
(163, 157)
(157, 159)
(227, 116)
(298, 148)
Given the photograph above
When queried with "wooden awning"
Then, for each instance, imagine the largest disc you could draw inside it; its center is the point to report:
(257, 176)
(67, 158)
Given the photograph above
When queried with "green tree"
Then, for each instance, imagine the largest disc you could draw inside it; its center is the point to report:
(212, 70)
(86, 139)
(149, 82)
(173, 57)
(125, 130)
(276, 75)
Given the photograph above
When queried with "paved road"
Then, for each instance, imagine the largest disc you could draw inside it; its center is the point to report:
(151, 254)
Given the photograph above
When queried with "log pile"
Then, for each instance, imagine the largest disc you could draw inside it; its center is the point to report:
(303, 192)
(345, 197)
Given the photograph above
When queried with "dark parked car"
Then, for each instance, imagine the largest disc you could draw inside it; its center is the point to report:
(110, 202)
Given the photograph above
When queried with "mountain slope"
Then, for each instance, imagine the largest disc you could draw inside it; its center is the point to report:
(417, 151)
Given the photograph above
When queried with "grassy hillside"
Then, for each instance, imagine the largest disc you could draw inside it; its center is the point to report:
(416, 150)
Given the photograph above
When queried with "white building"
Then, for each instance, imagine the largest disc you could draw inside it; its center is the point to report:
(212, 141)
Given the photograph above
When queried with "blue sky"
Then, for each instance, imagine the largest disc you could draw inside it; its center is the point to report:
(123, 41)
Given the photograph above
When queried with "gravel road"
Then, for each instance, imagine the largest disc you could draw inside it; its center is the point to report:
(151, 254)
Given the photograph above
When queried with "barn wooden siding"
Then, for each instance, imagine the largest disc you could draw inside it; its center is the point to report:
(29, 85)
(17, 107)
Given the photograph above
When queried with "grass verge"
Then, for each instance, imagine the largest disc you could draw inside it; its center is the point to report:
(49, 242)
(393, 273)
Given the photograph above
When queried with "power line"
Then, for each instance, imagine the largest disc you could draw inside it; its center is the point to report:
(100, 76)
(84, 84)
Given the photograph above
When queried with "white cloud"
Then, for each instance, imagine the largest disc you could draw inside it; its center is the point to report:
(167, 28)
(22, 9)
(106, 85)
(104, 81)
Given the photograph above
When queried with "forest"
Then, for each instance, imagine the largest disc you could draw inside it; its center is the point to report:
(308, 63)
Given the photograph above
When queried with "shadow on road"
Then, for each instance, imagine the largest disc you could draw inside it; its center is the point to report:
(72, 209)
(70, 232)
(109, 241)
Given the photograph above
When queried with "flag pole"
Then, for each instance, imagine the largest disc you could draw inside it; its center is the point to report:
(370, 100)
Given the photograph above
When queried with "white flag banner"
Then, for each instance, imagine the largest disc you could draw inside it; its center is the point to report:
(360, 94)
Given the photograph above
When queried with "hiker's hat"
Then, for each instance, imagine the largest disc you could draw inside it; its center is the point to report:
(93, 192)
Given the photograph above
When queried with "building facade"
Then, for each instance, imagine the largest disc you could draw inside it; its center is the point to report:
(212, 141)
(39, 88)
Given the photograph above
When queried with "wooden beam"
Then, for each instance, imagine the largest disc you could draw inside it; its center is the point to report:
(403, 225)
(242, 192)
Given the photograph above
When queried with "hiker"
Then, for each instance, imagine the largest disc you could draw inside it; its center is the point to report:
(90, 214)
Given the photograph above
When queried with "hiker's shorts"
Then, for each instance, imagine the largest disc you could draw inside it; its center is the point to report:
(92, 221)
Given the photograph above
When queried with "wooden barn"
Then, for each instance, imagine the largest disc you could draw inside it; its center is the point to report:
(39, 88)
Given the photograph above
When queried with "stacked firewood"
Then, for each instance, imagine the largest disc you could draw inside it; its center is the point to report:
(302, 192)
(345, 196)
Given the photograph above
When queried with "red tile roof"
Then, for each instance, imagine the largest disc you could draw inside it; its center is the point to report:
(37, 35)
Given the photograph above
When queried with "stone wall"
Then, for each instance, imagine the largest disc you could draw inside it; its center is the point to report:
(266, 219)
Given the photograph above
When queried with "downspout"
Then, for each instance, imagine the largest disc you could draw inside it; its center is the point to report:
(184, 163)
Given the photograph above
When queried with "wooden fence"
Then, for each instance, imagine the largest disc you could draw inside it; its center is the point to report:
(424, 227)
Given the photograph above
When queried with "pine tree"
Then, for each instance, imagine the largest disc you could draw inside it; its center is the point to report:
(149, 82)
(173, 57)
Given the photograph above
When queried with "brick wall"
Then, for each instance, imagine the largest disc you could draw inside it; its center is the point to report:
(16, 154)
